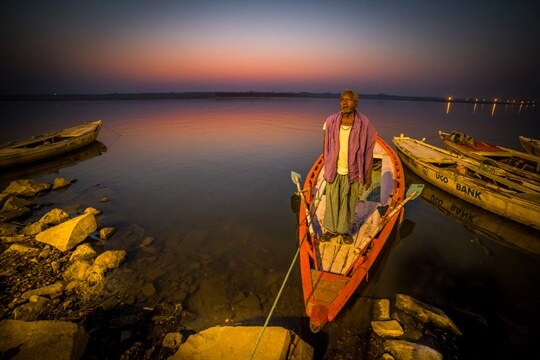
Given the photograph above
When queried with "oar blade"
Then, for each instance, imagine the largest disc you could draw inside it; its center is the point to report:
(414, 191)
(296, 177)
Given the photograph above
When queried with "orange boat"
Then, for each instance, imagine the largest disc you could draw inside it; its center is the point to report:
(332, 270)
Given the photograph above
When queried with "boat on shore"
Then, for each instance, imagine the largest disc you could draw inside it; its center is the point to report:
(332, 270)
(517, 162)
(532, 146)
(45, 146)
(468, 180)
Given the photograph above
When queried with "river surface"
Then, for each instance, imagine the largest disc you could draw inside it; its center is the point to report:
(209, 180)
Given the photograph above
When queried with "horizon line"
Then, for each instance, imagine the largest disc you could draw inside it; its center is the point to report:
(249, 93)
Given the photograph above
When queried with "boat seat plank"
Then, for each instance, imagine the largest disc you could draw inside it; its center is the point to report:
(326, 289)
(428, 154)
(337, 257)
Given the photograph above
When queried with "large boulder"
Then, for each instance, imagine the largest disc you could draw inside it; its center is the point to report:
(70, 233)
(425, 313)
(238, 343)
(44, 340)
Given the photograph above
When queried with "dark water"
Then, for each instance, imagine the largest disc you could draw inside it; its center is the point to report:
(210, 181)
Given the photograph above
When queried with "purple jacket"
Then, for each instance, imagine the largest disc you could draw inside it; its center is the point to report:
(361, 143)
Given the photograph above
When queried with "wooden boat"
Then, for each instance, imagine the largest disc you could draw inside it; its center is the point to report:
(332, 270)
(467, 179)
(48, 145)
(532, 146)
(517, 162)
(480, 222)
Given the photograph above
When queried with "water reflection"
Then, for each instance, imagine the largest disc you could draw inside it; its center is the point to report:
(54, 164)
(479, 221)
(210, 182)
(479, 104)
(493, 107)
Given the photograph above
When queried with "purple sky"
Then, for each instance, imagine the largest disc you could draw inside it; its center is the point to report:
(484, 49)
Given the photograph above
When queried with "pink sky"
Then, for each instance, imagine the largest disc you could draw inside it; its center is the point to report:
(425, 48)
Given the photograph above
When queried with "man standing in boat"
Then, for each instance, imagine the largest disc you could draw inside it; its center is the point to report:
(349, 140)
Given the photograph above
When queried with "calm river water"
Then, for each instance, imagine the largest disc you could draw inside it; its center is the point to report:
(209, 180)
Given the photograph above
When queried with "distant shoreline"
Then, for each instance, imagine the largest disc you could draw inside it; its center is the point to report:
(226, 95)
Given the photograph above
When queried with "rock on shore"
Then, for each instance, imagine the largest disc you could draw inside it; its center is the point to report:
(239, 342)
(44, 340)
(410, 331)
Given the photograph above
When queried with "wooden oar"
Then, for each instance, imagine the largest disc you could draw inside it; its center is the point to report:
(296, 177)
(412, 193)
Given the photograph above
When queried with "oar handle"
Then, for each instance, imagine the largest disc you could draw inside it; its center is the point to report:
(306, 208)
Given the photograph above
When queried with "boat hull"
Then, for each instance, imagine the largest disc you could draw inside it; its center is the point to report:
(532, 146)
(332, 271)
(440, 170)
(48, 145)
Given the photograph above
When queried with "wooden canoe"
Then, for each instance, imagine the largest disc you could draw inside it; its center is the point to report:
(48, 145)
(331, 271)
(517, 162)
(532, 146)
(476, 185)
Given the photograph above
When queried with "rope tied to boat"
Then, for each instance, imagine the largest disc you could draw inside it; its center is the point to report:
(309, 223)
(118, 134)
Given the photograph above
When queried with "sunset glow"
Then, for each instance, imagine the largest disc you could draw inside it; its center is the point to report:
(423, 48)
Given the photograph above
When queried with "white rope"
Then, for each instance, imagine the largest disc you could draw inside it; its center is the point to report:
(309, 224)
(276, 301)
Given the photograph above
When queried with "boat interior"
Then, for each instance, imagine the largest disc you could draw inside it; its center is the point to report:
(485, 173)
(39, 142)
(334, 255)
(51, 138)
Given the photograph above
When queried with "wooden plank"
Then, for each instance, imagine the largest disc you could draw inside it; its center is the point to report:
(327, 288)
(337, 257)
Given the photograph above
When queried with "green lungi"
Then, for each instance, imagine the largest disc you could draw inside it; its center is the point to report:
(341, 199)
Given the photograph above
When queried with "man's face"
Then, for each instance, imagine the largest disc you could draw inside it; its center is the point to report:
(347, 103)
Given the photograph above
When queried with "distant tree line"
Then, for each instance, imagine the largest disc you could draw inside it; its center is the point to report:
(209, 95)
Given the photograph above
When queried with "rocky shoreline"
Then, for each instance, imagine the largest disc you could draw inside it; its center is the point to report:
(54, 268)
(60, 275)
